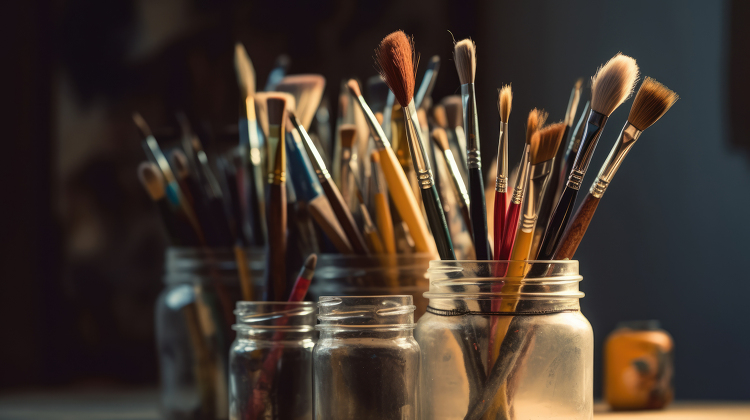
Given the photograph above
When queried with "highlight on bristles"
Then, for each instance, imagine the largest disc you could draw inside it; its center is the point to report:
(464, 54)
(353, 87)
(439, 115)
(152, 180)
(613, 83)
(394, 59)
(454, 110)
(438, 136)
(547, 141)
(276, 106)
(504, 102)
(348, 133)
(535, 120)
(652, 101)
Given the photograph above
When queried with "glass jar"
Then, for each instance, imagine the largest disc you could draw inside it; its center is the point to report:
(505, 340)
(193, 332)
(638, 366)
(270, 374)
(366, 361)
(372, 275)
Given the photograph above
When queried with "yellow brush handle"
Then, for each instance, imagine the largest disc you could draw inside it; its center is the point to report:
(385, 223)
(405, 202)
(375, 243)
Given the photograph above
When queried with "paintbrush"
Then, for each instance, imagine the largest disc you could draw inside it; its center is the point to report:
(423, 98)
(394, 58)
(464, 54)
(299, 290)
(464, 201)
(178, 230)
(348, 136)
(398, 184)
(276, 202)
(610, 87)
(383, 217)
(340, 209)
(277, 72)
(504, 103)
(455, 117)
(651, 102)
(370, 231)
(307, 90)
(182, 172)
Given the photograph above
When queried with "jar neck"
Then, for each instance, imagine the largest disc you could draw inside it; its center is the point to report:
(365, 315)
(361, 333)
(203, 265)
(275, 321)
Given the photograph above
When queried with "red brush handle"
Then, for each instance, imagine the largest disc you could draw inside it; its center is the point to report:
(509, 234)
(501, 210)
(299, 290)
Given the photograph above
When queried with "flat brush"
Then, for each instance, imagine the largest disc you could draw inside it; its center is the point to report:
(370, 231)
(464, 201)
(610, 87)
(276, 202)
(340, 209)
(307, 90)
(383, 217)
(394, 61)
(464, 54)
(651, 102)
(398, 184)
(504, 103)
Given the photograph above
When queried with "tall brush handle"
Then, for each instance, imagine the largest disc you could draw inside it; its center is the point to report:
(438, 225)
(557, 224)
(574, 233)
(276, 266)
(501, 212)
(478, 210)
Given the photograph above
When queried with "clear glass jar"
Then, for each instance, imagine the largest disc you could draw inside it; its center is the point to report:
(270, 374)
(372, 275)
(366, 361)
(193, 332)
(505, 340)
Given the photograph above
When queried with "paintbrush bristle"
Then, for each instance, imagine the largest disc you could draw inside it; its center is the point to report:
(353, 87)
(152, 180)
(547, 141)
(180, 163)
(276, 105)
(504, 102)
(348, 133)
(440, 138)
(311, 262)
(394, 60)
(535, 120)
(454, 110)
(465, 56)
(245, 71)
(613, 84)
(439, 115)
(143, 128)
(652, 101)
(579, 84)
(307, 90)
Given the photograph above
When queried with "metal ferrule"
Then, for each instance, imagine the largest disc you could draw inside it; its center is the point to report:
(538, 180)
(501, 181)
(593, 130)
(458, 181)
(471, 125)
(317, 161)
(378, 135)
(414, 137)
(277, 175)
(523, 178)
(625, 141)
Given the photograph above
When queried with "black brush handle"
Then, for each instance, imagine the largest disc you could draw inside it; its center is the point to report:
(345, 217)
(438, 225)
(478, 210)
(276, 255)
(557, 223)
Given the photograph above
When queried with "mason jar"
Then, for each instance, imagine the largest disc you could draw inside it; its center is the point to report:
(193, 320)
(372, 275)
(505, 340)
(270, 373)
(366, 361)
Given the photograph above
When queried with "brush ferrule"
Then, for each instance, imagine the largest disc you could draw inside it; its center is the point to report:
(378, 135)
(502, 152)
(317, 160)
(592, 131)
(458, 182)
(523, 178)
(624, 143)
(416, 146)
(501, 184)
(471, 123)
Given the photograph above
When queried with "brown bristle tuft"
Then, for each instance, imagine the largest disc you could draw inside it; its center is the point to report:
(504, 102)
(547, 142)
(379, 117)
(375, 157)
(652, 101)
(348, 134)
(243, 66)
(613, 84)
(180, 163)
(439, 115)
(353, 87)
(534, 122)
(311, 262)
(465, 56)
(579, 83)
(454, 110)
(439, 136)
(152, 180)
(276, 106)
(307, 90)
(394, 60)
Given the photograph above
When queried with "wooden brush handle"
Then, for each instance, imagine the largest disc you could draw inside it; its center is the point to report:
(478, 210)
(574, 233)
(345, 217)
(557, 224)
(438, 224)
(501, 212)
(322, 213)
(405, 202)
(246, 279)
(276, 266)
(385, 223)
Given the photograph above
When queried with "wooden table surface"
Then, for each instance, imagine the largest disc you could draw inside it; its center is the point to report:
(141, 404)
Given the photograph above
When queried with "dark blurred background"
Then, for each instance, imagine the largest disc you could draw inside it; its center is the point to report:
(83, 247)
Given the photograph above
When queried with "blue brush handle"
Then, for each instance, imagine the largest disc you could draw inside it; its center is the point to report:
(301, 172)
(478, 211)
